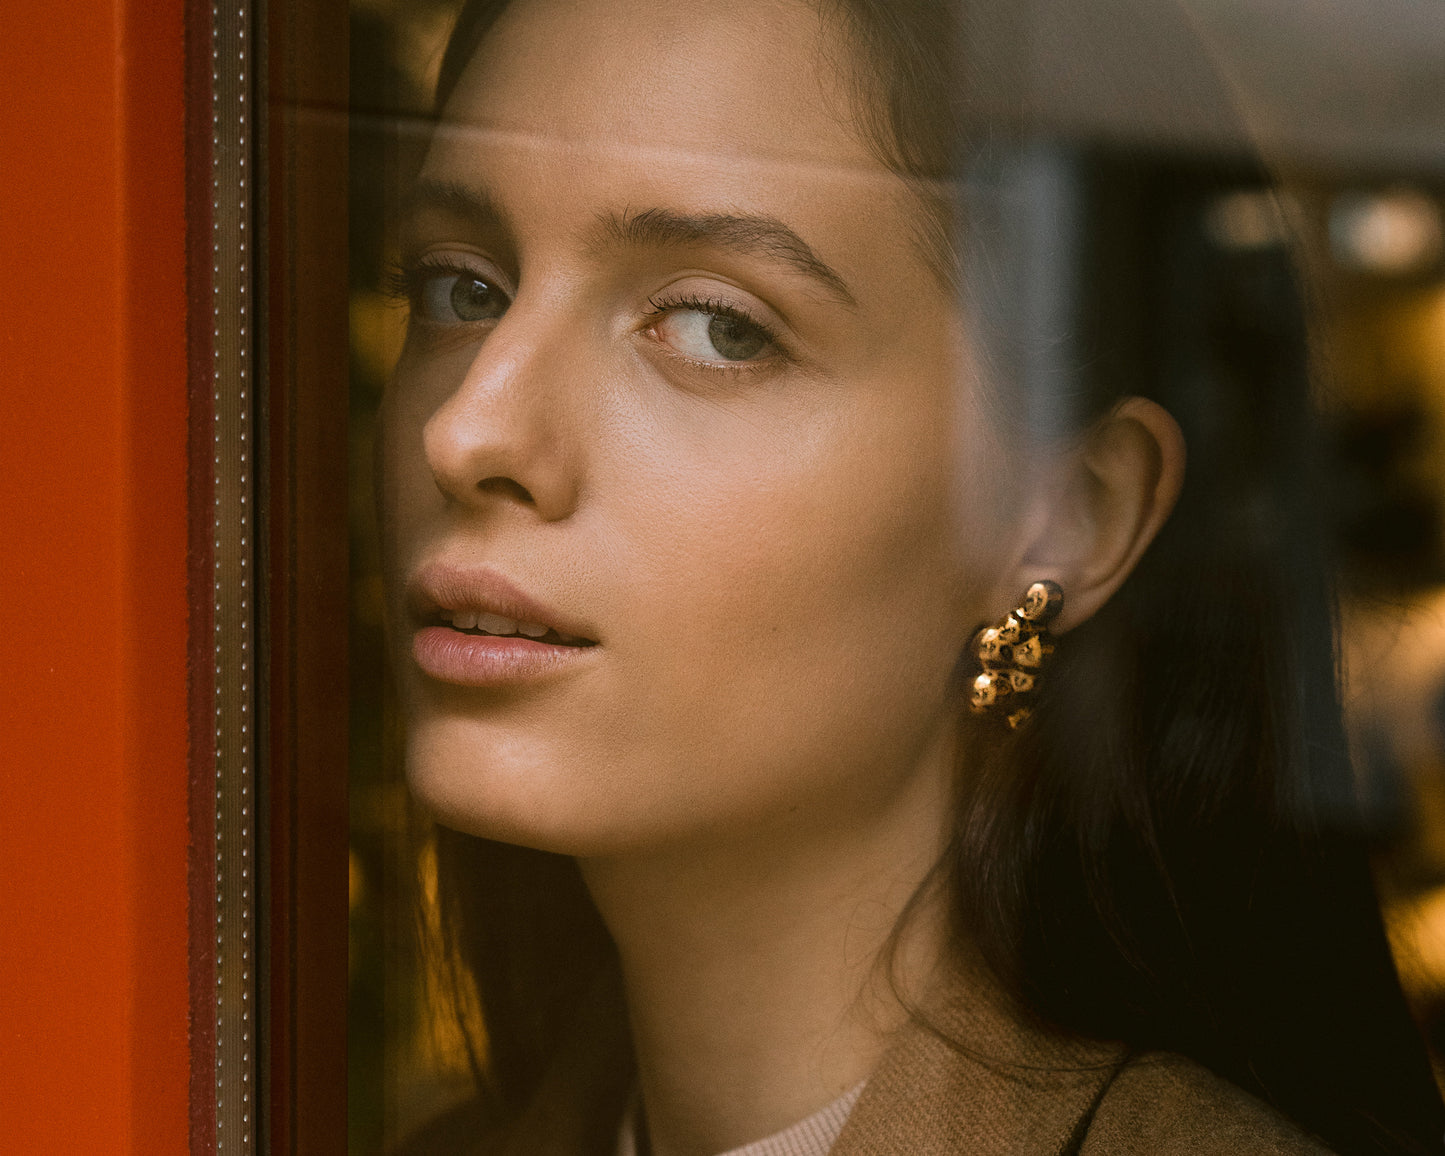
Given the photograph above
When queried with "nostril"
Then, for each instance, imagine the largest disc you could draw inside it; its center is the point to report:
(505, 488)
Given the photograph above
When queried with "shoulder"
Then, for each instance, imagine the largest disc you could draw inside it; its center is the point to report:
(1161, 1103)
(979, 1076)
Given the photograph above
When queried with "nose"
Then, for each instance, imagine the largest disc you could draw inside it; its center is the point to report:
(505, 434)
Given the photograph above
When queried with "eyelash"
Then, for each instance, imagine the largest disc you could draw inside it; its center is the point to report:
(405, 280)
(713, 307)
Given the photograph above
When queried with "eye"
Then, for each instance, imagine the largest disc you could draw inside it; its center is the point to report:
(711, 332)
(443, 289)
(447, 296)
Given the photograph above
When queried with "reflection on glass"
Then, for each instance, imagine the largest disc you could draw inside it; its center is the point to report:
(732, 377)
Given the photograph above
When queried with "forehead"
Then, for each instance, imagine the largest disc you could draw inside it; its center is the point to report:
(757, 79)
(575, 109)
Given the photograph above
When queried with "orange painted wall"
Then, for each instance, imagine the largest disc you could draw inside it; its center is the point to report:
(93, 999)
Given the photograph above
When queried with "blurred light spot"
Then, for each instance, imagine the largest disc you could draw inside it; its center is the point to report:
(1417, 934)
(1249, 219)
(378, 329)
(356, 882)
(451, 1020)
(426, 871)
(1391, 233)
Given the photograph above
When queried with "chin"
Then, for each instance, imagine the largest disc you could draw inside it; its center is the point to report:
(476, 779)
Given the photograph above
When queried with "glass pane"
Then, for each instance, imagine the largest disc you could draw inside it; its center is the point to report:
(723, 382)
(407, 1060)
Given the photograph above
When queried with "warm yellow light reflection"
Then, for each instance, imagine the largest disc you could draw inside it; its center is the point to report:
(356, 882)
(378, 328)
(1417, 933)
(449, 998)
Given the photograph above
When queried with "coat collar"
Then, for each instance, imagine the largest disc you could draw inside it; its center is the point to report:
(971, 1075)
(967, 1074)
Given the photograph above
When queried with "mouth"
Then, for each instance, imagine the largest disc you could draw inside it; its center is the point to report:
(485, 624)
(475, 628)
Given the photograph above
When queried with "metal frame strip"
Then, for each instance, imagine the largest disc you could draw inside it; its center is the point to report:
(233, 246)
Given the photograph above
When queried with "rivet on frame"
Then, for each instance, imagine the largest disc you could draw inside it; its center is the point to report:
(231, 198)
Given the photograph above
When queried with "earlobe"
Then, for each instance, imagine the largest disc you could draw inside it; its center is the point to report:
(1115, 490)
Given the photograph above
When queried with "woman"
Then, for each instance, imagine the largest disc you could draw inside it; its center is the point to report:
(706, 458)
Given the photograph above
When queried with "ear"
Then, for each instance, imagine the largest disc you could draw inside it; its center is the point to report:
(1108, 498)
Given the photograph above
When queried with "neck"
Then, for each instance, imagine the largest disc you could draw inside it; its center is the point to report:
(756, 968)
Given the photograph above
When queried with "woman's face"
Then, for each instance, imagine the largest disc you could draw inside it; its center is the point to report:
(680, 388)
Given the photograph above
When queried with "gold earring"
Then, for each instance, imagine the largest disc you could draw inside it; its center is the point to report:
(1013, 653)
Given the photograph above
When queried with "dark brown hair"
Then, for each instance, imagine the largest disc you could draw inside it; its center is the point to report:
(1169, 854)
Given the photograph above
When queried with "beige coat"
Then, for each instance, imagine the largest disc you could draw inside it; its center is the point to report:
(1011, 1091)
(1022, 1092)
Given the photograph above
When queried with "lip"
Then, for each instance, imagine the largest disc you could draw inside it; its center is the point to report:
(481, 660)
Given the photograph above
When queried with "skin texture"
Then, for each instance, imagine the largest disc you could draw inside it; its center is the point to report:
(780, 560)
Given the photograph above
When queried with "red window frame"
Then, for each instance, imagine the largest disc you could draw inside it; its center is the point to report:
(104, 643)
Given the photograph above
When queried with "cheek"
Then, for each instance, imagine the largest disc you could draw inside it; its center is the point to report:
(399, 471)
(783, 587)
(407, 498)
(397, 458)
(804, 600)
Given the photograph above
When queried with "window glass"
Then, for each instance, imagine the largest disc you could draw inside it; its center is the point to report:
(616, 301)
(407, 1060)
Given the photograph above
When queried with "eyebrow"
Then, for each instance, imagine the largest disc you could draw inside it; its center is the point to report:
(455, 198)
(744, 232)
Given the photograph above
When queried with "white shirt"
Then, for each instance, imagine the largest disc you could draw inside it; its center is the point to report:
(813, 1136)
